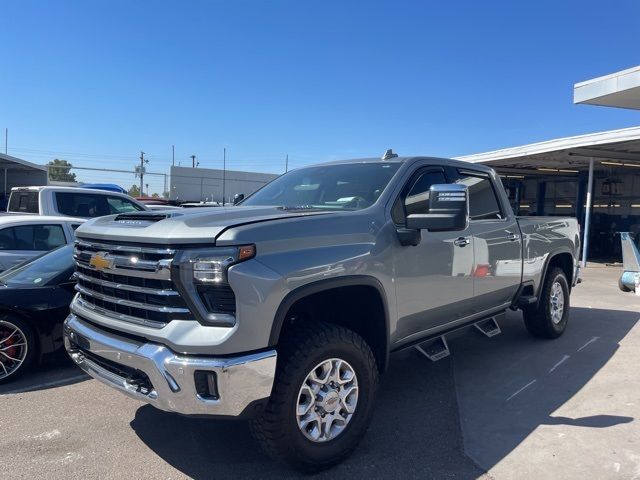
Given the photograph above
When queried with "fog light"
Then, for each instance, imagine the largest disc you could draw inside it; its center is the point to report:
(206, 385)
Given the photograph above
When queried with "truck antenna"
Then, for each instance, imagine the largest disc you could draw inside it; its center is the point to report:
(388, 154)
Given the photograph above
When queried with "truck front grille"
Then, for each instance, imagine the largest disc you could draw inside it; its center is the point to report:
(129, 283)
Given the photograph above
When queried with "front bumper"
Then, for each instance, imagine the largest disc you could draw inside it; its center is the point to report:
(154, 374)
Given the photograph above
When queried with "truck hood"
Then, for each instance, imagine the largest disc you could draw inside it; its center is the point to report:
(188, 226)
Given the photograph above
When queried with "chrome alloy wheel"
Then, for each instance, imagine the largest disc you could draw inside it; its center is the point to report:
(327, 400)
(13, 348)
(556, 301)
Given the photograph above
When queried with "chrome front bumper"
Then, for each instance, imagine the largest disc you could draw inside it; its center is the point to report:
(120, 363)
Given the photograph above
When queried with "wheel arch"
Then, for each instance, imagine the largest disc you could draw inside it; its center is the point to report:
(563, 259)
(378, 337)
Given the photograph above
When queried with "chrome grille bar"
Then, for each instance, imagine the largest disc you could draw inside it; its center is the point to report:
(124, 248)
(130, 288)
(129, 303)
(80, 302)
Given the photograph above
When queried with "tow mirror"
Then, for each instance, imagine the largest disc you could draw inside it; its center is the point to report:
(237, 198)
(448, 210)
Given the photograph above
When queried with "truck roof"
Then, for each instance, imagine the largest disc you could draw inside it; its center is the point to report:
(55, 188)
(407, 159)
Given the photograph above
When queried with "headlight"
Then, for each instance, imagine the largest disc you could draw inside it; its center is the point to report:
(201, 277)
(213, 268)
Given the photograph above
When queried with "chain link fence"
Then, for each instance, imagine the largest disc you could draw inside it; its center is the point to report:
(153, 183)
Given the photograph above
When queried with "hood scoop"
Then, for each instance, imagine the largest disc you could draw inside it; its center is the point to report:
(139, 218)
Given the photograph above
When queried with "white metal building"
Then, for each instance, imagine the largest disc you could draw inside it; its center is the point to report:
(206, 184)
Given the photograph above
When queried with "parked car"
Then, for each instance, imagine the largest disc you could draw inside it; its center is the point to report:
(70, 201)
(34, 301)
(26, 236)
(284, 309)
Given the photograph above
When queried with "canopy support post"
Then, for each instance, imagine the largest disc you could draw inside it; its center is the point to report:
(587, 215)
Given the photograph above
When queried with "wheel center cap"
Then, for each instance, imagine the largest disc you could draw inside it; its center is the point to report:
(330, 401)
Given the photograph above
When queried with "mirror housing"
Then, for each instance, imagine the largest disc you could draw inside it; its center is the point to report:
(237, 198)
(448, 209)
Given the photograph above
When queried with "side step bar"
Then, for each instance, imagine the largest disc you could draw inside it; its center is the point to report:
(488, 327)
(436, 348)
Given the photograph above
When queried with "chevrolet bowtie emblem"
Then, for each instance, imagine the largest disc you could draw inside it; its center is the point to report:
(99, 261)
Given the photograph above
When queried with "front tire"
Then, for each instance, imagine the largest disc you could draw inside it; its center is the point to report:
(322, 400)
(549, 319)
(17, 347)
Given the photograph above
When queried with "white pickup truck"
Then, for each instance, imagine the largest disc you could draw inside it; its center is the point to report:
(70, 202)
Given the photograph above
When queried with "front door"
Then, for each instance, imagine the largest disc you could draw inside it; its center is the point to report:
(497, 245)
(433, 279)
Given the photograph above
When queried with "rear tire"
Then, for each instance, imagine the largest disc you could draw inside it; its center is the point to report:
(549, 318)
(326, 373)
(18, 347)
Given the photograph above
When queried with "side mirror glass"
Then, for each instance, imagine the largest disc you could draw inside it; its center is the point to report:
(448, 209)
(237, 198)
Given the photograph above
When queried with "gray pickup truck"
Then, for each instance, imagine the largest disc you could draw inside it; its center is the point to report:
(284, 309)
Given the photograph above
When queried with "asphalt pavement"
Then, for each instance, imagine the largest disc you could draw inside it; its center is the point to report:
(504, 407)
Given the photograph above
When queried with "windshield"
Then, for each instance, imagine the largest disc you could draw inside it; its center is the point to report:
(351, 186)
(41, 270)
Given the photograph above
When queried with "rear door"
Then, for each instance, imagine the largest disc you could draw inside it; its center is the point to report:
(433, 279)
(497, 266)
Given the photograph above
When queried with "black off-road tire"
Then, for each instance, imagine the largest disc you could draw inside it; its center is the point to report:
(306, 346)
(539, 320)
(32, 347)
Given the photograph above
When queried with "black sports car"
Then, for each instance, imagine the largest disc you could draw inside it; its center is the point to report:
(34, 301)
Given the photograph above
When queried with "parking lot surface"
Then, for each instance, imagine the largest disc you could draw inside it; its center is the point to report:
(503, 407)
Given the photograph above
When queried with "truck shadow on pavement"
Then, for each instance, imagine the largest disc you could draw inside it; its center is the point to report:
(424, 407)
(509, 385)
(414, 434)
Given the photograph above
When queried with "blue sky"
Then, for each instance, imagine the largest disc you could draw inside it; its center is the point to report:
(96, 82)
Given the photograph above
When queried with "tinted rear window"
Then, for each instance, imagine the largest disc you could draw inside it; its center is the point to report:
(92, 205)
(23, 202)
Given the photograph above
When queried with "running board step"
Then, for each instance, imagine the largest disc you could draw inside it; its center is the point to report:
(488, 327)
(434, 349)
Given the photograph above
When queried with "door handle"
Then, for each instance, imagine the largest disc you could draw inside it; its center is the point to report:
(512, 236)
(461, 241)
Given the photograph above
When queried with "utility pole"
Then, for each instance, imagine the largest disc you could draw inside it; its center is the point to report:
(286, 164)
(224, 172)
(193, 161)
(147, 185)
(173, 155)
(142, 162)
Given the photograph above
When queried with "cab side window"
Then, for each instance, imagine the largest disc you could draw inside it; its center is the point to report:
(32, 237)
(483, 201)
(415, 196)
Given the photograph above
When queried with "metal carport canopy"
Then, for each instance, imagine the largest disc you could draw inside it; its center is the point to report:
(569, 155)
(620, 89)
(13, 163)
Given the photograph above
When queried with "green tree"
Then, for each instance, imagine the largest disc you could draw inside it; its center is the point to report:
(134, 191)
(155, 195)
(59, 170)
